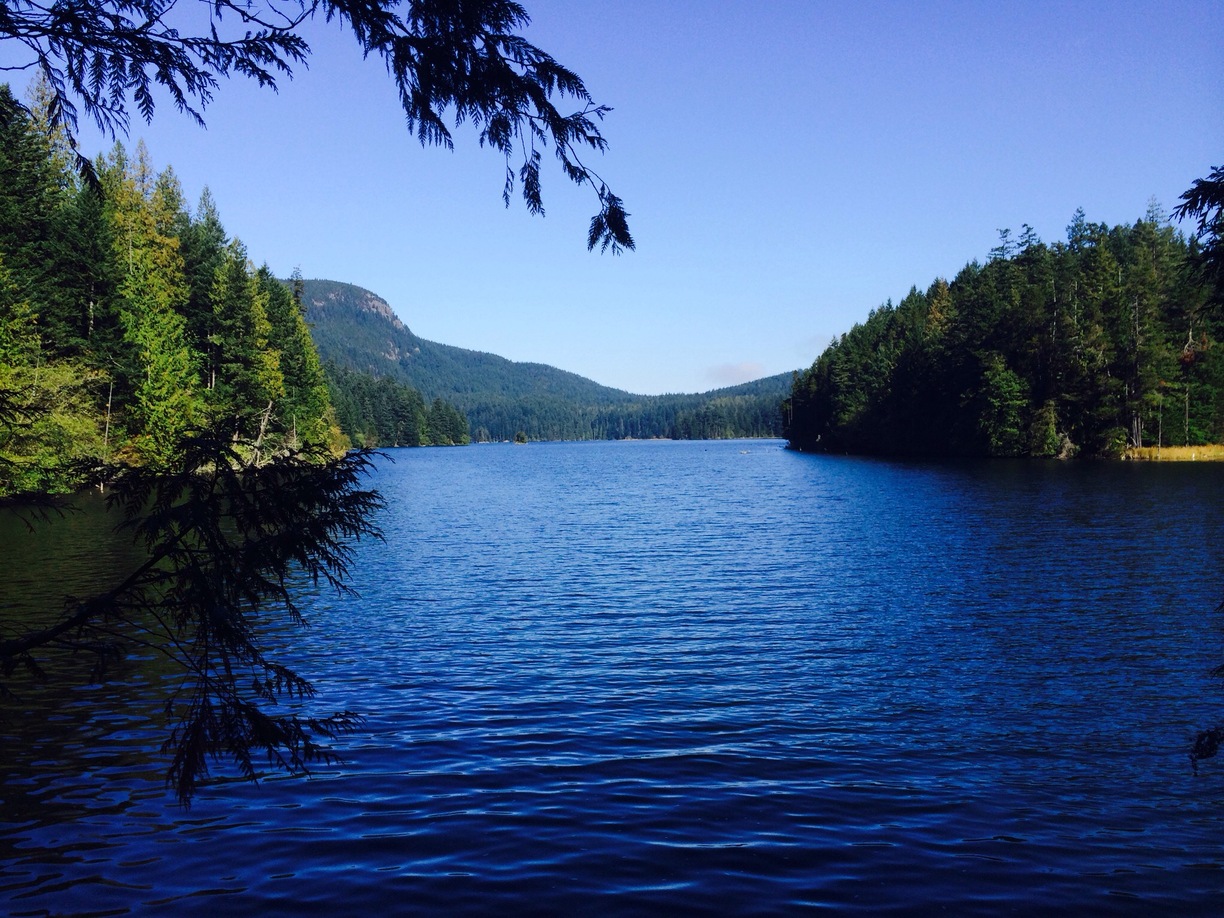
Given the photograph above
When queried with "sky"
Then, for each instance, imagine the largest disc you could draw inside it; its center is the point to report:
(789, 165)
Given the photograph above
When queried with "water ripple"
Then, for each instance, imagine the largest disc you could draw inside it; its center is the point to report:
(711, 678)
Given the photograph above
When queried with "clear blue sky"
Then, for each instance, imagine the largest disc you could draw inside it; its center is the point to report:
(789, 166)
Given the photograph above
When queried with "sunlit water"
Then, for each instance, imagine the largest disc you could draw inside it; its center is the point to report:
(665, 677)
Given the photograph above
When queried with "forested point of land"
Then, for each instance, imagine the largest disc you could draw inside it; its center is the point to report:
(129, 322)
(1108, 341)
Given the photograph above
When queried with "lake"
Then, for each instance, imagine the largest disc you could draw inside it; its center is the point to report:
(684, 677)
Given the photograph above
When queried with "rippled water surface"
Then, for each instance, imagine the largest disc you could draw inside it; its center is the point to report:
(665, 677)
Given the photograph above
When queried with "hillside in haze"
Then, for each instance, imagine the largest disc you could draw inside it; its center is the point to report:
(357, 330)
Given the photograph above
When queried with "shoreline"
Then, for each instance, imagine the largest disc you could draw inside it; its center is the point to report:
(1212, 452)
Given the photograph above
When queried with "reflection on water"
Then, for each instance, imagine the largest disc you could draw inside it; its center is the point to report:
(72, 745)
(709, 677)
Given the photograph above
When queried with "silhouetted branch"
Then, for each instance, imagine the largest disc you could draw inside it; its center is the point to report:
(453, 61)
(225, 540)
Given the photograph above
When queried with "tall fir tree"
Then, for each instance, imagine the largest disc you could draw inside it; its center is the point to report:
(161, 395)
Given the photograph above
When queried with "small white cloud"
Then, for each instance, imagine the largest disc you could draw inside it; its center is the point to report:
(732, 374)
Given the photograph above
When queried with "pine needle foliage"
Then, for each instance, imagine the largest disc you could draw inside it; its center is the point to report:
(453, 61)
(1203, 203)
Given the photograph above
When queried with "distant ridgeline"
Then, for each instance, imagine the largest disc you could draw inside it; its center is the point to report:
(1089, 346)
(356, 331)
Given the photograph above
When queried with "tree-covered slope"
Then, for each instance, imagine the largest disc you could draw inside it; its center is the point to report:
(129, 323)
(356, 330)
(1109, 340)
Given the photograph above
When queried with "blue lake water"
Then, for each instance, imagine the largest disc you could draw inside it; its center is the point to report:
(700, 677)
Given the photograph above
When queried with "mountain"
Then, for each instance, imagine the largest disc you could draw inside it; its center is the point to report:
(356, 329)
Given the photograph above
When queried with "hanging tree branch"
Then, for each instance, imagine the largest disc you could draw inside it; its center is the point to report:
(225, 540)
(456, 60)
(1203, 202)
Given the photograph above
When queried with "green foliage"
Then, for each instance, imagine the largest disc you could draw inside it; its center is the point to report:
(445, 425)
(164, 405)
(247, 378)
(1087, 347)
(48, 430)
(306, 416)
(1044, 441)
(1003, 401)
(378, 411)
(126, 324)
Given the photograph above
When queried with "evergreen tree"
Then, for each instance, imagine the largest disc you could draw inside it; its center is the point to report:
(48, 428)
(247, 382)
(161, 391)
(305, 415)
(203, 242)
(31, 192)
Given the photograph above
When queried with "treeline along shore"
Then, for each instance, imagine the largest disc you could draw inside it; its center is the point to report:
(130, 320)
(1104, 345)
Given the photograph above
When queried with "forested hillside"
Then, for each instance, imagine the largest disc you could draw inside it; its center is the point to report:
(129, 321)
(1107, 340)
(356, 330)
